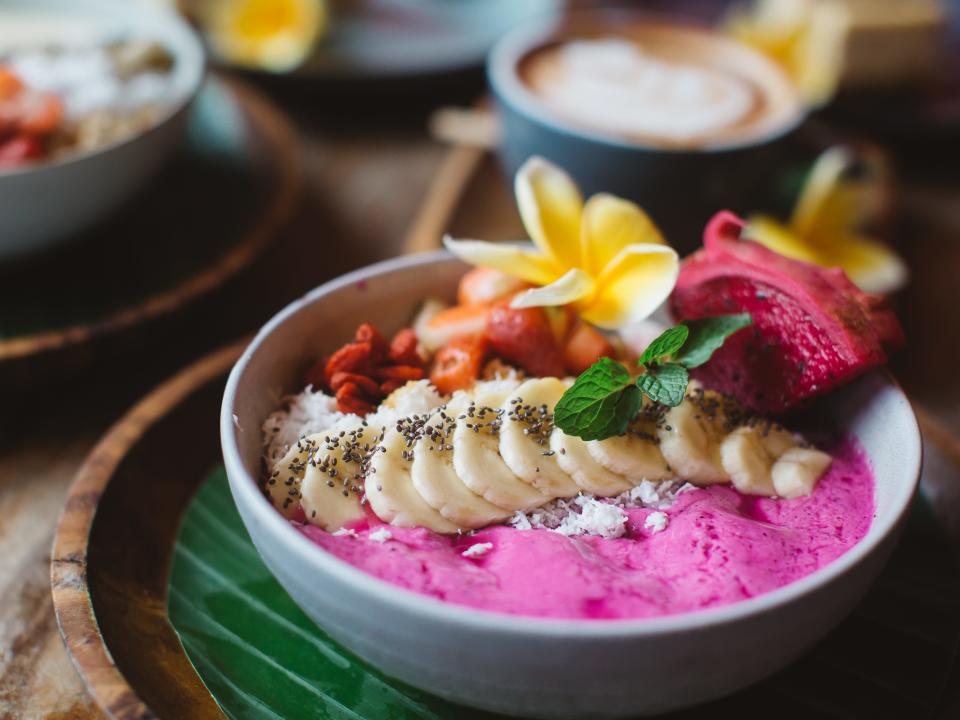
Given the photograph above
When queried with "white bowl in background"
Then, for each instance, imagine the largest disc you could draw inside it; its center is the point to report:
(528, 666)
(44, 203)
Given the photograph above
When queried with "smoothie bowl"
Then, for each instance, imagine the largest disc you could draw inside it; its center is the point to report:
(453, 501)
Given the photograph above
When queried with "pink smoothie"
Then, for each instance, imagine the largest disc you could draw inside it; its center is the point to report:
(718, 547)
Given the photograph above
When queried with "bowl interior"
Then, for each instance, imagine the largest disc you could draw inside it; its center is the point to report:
(873, 409)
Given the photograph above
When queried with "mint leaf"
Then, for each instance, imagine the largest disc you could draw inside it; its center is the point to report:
(600, 403)
(665, 345)
(707, 335)
(665, 383)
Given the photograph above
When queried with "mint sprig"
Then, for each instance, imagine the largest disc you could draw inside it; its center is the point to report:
(601, 402)
(606, 397)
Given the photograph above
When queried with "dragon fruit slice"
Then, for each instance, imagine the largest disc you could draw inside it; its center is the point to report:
(812, 331)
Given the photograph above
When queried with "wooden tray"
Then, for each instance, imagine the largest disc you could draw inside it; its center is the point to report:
(112, 555)
(110, 288)
(113, 548)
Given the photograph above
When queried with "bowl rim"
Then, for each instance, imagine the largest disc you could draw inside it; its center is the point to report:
(509, 89)
(245, 489)
(189, 50)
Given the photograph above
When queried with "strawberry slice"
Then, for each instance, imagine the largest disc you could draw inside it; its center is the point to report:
(813, 329)
(524, 337)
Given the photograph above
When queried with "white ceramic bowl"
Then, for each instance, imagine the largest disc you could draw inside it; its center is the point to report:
(528, 666)
(44, 203)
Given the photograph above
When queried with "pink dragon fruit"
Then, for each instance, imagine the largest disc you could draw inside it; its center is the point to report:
(812, 331)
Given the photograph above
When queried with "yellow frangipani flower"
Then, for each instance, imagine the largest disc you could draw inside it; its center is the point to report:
(270, 34)
(605, 257)
(806, 37)
(824, 226)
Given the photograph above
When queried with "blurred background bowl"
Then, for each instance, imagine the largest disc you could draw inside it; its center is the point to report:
(46, 203)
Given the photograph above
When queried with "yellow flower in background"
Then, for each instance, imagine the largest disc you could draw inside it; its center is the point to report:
(605, 258)
(269, 34)
(824, 227)
(806, 37)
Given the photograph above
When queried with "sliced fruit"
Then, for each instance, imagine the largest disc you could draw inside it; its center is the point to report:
(525, 436)
(476, 452)
(583, 347)
(435, 477)
(430, 308)
(389, 486)
(747, 462)
(453, 322)
(634, 455)
(797, 471)
(812, 331)
(690, 435)
(486, 285)
(283, 487)
(575, 459)
(458, 364)
(523, 336)
(333, 483)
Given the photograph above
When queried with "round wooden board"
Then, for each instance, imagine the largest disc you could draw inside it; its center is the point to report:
(146, 265)
(111, 553)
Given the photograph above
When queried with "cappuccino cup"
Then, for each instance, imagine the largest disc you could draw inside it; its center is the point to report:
(677, 118)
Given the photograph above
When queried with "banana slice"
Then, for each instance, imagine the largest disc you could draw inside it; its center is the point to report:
(634, 455)
(476, 453)
(436, 479)
(332, 485)
(389, 486)
(284, 484)
(797, 471)
(747, 461)
(574, 458)
(525, 436)
(690, 436)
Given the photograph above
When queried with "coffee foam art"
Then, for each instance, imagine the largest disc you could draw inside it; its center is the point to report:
(617, 86)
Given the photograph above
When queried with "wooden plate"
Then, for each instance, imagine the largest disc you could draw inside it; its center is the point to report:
(221, 200)
(112, 555)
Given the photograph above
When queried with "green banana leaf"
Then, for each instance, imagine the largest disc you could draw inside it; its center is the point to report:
(261, 657)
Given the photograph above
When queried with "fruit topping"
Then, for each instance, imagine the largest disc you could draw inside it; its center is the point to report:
(813, 329)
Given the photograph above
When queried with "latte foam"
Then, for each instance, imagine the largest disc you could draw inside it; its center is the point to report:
(650, 91)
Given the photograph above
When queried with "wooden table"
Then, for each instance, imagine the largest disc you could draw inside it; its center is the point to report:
(364, 185)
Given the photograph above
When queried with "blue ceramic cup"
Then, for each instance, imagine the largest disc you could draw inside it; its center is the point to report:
(681, 185)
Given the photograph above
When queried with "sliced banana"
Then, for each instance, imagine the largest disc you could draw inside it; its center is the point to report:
(747, 461)
(575, 459)
(634, 455)
(284, 484)
(435, 478)
(333, 485)
(476, 453)
(690, 436)
(389, 485)
(525, 436)
(797, 471)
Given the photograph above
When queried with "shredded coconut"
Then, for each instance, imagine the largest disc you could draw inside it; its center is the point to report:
(303, 414)
(656, 521)
(659, 495)
(583, 515)
(477, 549)
(350, 532)
(380, 536)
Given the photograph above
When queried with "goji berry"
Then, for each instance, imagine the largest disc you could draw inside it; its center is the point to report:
(388, 386)
(403, 349)
(355, 357)
(350, 400)
(368, 387)
(400, 372)
(367, 333)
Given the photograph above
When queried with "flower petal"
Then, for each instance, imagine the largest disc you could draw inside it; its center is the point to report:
(550, 206)
(609, 225)
(632, 286)
(872, 265)
(519, 261)
(781, 239)
(573, 286)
